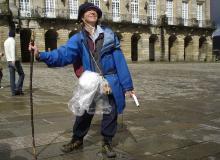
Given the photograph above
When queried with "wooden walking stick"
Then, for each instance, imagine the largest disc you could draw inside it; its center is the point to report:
(31, 96)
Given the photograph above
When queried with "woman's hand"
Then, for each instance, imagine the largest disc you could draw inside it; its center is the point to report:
(34, 49)
(132, 94)
(129, 93)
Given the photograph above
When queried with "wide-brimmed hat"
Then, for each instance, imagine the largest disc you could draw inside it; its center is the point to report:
(87, 6)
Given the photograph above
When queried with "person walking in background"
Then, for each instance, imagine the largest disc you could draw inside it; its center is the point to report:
(95, 48)
(14, 65)
(1, 68)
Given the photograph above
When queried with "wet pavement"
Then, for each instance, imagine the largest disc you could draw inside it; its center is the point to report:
(178, 118)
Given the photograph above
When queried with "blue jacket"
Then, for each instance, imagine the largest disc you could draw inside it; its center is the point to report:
(114, 66)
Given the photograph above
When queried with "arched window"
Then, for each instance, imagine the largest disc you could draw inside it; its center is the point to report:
(153, 11)
(25, 35)
(134, 46)
(116, 10)
(135, 11)
(153, 39)
(51, 40)
(73, 9)
(25, 10)
(96, 2)
(169, 11)
(50, 8)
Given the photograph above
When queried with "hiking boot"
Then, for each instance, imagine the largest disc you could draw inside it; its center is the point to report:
(108, 150)
(19, 93)
(72, 145)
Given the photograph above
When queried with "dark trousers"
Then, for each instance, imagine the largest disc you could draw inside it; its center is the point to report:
(108, 124)
(12, 69)
(1, 75)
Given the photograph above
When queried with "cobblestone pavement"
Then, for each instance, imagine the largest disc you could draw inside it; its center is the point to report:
(178, 118)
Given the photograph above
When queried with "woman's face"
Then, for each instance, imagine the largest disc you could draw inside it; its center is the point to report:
(90, 17)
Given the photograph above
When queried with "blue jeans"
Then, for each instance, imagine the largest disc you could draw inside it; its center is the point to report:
(16, 87)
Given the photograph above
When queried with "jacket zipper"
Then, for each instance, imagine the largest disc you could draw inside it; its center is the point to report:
(106, 49)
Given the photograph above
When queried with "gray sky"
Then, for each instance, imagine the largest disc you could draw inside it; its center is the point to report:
(215, 11)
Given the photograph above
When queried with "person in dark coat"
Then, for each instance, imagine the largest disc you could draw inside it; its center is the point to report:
(1, 68)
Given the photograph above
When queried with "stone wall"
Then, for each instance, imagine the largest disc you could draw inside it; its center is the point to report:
(177, 52)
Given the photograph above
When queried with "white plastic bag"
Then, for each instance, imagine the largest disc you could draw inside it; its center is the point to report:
(88, 95)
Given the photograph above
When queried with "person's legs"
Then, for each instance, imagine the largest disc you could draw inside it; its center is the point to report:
(109, 128)
(82, 125)
(21, 77)
(1, 75)
(80, 129)
(109, 122)
(11, 68)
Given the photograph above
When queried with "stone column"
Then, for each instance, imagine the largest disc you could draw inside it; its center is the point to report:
(207, 9)
(178, 8)
(166, 41)
(161, 8)
(126, 45)
(40, 38)
(203, 51)
(195, 53)
(143, 47)
(173, 51)
(63, 37)
(3, 36)
(155, 31)
(189, 49)
(141, 9)
(180, 47)
(158, 49)
(192, 9)
(209, 55)
(18, 45)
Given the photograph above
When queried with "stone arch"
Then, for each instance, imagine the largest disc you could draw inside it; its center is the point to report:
(72, 33)
(134, 46)
(188, 47)
(153, 39)
(203, 48)
(172, 48)
(25, 36)
(51, 39)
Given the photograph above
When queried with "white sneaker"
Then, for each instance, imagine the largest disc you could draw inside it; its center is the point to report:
(1, 87)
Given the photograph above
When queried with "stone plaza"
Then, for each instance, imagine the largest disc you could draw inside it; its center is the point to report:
(178, 117)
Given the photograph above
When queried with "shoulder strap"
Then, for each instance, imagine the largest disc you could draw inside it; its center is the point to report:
(100, 71)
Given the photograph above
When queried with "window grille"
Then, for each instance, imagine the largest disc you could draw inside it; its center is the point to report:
(169, 11)
(185, 14)
(96, 2)
(153, 11)
(25, 9)
(73, 9)
(116, 10)
(135, 11)
(200, 14)
(50, 8)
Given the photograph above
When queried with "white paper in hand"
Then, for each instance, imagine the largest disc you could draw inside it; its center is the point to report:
(135, 100)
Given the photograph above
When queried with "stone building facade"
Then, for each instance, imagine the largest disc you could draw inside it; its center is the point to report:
(149, 30)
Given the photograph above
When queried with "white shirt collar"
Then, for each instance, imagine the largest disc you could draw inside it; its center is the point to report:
(98, 31)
